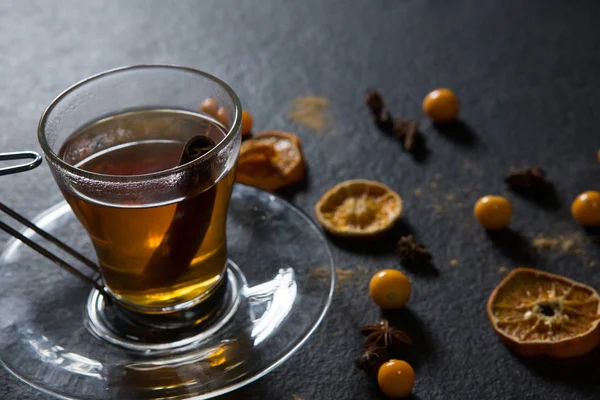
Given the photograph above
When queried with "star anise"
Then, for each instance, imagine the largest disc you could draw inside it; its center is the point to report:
(412, 252)
(372, 359)
(381, 334)
(408, 133)
(525, 179)
(379, 112)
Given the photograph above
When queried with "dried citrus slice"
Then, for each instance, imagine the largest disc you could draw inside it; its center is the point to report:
(358, 208)
(270, 160)
(537, 313)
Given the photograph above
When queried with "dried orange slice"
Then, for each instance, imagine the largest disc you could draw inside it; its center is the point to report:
(358, 208)
(270, 160)
(541, 314)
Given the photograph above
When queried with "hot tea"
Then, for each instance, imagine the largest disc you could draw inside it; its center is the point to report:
(153, 255)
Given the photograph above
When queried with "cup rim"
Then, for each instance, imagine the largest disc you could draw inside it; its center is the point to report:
(48, 152)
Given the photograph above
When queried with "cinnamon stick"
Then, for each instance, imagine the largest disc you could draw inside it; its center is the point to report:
(188, 228)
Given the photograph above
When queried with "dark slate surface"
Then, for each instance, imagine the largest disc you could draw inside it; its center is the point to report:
(526, 72)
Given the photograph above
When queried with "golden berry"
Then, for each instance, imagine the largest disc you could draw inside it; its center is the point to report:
(210, 106)
(246, 123)
(493, 212)
(441, 105)
(396, 378)
(586, 208)
(390, 289)
(222, 116)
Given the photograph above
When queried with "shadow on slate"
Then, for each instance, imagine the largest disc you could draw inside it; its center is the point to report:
(374, 388)
(547, 198)
(577, 372)
(513, 245)
(425, 269)
(384, 244)
(421, 350)
(420, 151)
(458, 132)
(290, 191)
(256, 390)
(593, 234)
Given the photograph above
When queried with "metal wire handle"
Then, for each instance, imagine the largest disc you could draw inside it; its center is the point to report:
(37, 159)
(20, 155)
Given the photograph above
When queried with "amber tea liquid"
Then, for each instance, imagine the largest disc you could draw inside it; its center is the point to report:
(157, 256)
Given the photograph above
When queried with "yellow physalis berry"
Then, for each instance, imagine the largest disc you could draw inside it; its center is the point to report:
(396, 378)
(441, 105)
(389, 289)
(493, 212)
(222, 116)
(246, 123)
(586, 208)
(210, 106)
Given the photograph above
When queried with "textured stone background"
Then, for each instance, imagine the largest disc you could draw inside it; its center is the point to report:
(526, 72)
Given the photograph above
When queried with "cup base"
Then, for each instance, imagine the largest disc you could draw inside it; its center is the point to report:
(145, 312)
(135, 331)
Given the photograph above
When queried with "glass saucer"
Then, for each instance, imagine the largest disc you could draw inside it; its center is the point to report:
(54, 335)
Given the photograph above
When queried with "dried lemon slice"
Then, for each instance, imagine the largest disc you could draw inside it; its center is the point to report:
(358, 208)
(270, 160)
(537, 313)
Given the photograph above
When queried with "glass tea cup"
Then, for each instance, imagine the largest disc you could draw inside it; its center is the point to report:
(155, 212)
